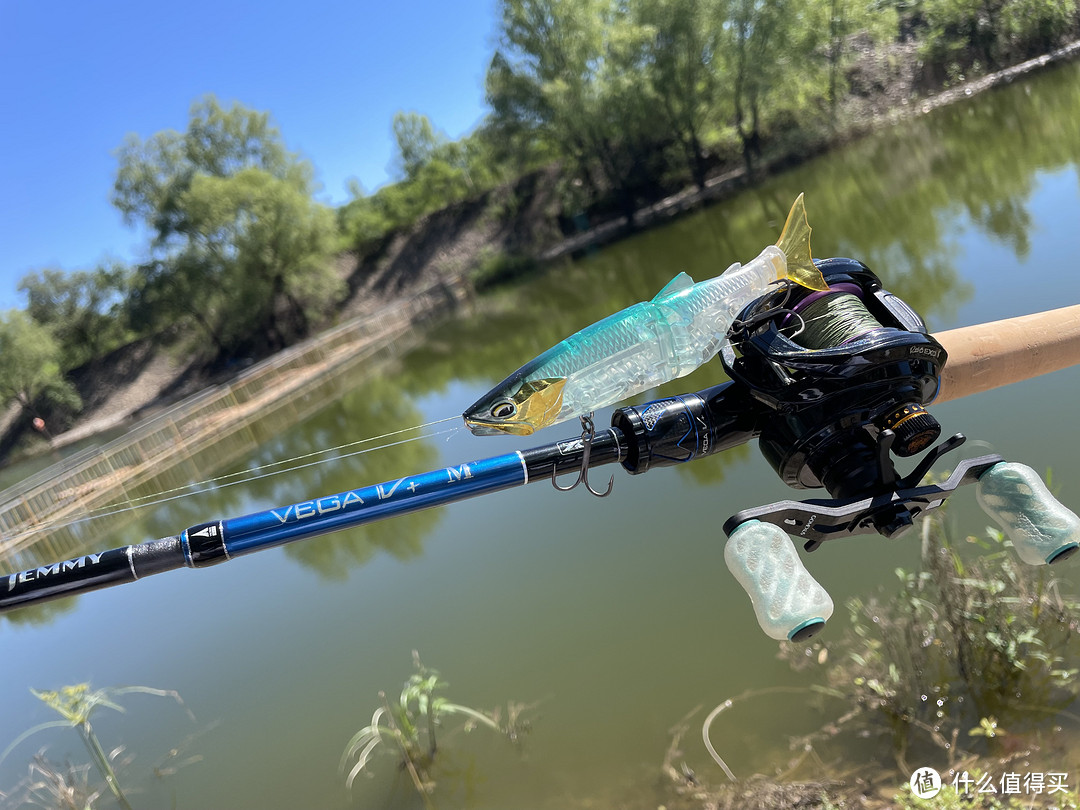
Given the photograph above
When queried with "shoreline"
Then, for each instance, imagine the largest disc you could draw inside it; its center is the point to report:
(732, 181)
(148, 394)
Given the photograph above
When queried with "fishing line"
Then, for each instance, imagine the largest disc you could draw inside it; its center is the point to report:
(834, 319)
(326, 451)
(243, 476)
(111, 512)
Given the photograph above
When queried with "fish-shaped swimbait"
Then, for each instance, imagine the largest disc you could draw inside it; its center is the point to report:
(645, 345)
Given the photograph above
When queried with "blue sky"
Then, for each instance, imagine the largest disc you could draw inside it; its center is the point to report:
(76, 77)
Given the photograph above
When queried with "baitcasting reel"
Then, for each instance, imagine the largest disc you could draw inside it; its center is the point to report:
(834, 384)
(840, 379)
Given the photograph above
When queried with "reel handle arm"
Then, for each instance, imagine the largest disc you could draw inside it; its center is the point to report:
(818, 519)
(788, 602)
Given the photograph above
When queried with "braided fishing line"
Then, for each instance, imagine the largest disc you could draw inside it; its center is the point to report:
(241, 477)
(835, 319)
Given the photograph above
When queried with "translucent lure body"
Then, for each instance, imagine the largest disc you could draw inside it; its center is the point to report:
(645, 345)
(641, 347)
(655, 341)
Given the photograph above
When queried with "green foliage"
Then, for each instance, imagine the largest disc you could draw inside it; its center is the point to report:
(775, 55)
(963, 644)
(843, 21)
(259, 249)
(76, 705)
(567, 75)
(84, 310)
(410, 724)
(154, 174)
(988, 728)
(961, 34)
(362, 222)
(635, 96)
(681, 57)
(30, 366)
(436, 173)
(242, 249)
(417, 142)
(638, 95)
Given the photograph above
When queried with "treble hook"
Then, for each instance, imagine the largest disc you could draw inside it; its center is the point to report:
(588, 432)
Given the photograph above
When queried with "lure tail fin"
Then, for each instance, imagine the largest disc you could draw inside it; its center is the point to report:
(795, 242)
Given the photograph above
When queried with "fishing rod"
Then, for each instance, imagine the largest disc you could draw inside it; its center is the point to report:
(831, 377)
(679, 429)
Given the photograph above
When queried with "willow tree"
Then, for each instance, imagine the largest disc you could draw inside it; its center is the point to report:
(240, 247)
(567, 75)
(83, 310)
(844, 23)
(787, 60)
(437, 170)
(30, 366)
(962, 33)
(264, 245)
(685, 77)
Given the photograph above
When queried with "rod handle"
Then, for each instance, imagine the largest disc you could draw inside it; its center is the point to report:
(1041, 528)
(989, 355)
(789, 603)
(89, 572)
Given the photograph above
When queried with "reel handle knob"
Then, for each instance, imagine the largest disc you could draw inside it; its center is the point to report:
(1040, 527)
(789, 603)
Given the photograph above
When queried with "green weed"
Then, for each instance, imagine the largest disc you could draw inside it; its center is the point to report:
(76, 705)
(969, 653)
(410, 724)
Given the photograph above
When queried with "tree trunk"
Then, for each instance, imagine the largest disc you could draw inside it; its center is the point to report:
(700, 165)
(209, 329)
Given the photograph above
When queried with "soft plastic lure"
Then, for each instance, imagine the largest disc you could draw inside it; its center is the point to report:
(645, 345)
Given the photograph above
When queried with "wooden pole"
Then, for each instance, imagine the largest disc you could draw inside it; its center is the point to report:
(990, 355)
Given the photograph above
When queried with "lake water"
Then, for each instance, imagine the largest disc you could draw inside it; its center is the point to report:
(615, 617)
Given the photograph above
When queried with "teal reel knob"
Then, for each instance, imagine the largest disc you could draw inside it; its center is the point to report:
(1040, 527)
(789, 603)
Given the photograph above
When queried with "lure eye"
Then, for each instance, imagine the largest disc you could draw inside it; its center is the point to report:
(503, 410)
